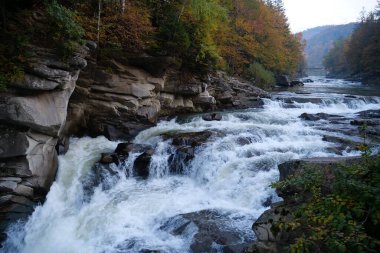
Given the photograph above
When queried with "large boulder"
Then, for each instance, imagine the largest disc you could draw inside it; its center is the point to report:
(209, 230)
(283, 81)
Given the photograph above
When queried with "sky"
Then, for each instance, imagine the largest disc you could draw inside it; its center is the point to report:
(304, 14)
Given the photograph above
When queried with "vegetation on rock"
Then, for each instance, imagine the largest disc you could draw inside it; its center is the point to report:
(28, 24)
(337, 208)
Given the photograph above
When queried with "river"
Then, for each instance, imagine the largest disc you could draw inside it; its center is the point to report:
(229, 177)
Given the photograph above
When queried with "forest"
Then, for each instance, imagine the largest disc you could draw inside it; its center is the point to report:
(358, 56)
(247, 38)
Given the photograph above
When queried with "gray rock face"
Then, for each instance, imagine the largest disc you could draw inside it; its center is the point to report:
(32, 115)
(231, 92)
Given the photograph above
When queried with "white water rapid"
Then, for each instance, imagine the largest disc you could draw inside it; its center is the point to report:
(232, 178)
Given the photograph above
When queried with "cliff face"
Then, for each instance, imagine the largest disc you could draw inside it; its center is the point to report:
(118, 98)
(32, 116)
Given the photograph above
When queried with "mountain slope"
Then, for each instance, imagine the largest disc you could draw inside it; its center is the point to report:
(320, 40)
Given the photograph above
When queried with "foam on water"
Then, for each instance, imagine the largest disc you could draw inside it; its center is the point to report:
(231, 174)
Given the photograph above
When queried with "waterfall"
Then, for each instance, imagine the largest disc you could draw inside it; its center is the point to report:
(230, 175)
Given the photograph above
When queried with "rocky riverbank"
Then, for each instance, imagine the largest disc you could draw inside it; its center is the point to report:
(115, 98)
(271, 237)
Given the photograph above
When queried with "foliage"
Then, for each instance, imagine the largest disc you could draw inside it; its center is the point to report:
(263, 78)
(201, 34)
(358, 55)
(338, 216)
(336, 60)
(65, 31)
(13, 52)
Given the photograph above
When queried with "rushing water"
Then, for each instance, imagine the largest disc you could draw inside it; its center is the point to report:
(226, 175)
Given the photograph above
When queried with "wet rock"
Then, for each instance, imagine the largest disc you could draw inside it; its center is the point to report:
(103, 175)
(192, 139)
(303, 100)
(370, 114)
(209, 231)
(282, 80)
(212, 117)
(267, 202)
(127, 147)
(296, 83)
(242, 141)
(318, 116)
(142, 163)
(181, 159)
(308, 81)
(364, 122)
(108, 158)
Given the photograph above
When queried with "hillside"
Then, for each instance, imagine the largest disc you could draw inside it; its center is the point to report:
(320, 40)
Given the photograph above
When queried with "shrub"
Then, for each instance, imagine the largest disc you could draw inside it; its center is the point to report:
(66, 33)
(263, 78)
(346, 218)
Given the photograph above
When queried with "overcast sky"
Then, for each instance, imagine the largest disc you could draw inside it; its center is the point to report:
(304, 14)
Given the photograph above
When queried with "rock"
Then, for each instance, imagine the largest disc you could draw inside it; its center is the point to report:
(318, 116)
(204, 101)
(24, 191)
(33, 114)
(212, 117)
(154, 65)
(192, 139)
(126, 148)
(308, 81)
(181, 159)
(282, 80)
(209, 230)
(364, 122)
(296, 83)
(108, 158)
(101, 175)
(370, 114)
(142, 163)
(26, 111)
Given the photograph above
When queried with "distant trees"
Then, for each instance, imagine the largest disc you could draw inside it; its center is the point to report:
(359, 55)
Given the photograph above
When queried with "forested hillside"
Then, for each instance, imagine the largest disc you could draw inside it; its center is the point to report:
(248, 38)
(358, 56)
(320, 40)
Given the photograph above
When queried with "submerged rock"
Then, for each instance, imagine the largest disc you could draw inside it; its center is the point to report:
(212, 117)
(296, 83)
(142, 163)
(318, 116)
(209, 231)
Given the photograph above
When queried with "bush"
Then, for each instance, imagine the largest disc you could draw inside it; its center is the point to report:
(341, 217)
(263, 78)
(66, 33)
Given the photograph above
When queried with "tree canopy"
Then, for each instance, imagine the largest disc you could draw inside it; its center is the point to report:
(238, 36)
(358, 55)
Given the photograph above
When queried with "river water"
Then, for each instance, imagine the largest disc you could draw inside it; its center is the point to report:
(226, 176)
